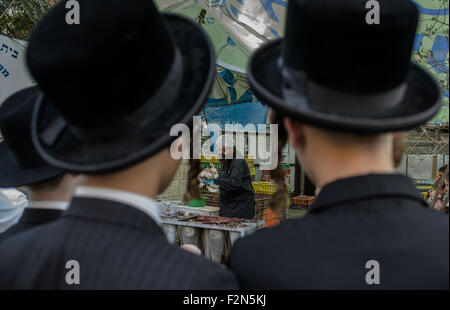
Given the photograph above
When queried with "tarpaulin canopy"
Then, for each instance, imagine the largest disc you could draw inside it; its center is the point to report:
(431, 47)
(237, 27)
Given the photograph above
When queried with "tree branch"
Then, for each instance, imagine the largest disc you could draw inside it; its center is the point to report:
(7, 8)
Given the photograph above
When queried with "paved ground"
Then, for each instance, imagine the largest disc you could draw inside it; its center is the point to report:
(295, 213)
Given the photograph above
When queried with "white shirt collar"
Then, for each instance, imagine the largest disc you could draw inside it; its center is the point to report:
(48, 204)
(140, 202)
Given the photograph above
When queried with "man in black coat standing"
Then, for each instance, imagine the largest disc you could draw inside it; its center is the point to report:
(340, 102)
(235, 182)
(112, 88)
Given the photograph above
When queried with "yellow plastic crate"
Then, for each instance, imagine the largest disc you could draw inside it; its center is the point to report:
(425, 187)
(213, 159)
(206, 158)
(264, 187)
(267, 188)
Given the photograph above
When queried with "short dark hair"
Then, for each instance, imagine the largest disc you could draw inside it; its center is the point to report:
(442, 169)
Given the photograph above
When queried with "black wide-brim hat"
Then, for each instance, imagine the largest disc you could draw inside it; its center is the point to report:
(147, 131)
(320, 73)
(20, 164)
(14, 175)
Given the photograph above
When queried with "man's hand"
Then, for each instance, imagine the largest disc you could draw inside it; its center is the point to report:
(191, 248)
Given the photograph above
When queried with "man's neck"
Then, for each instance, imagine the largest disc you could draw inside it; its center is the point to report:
(47, 196)
(332, 169)
(147, 187)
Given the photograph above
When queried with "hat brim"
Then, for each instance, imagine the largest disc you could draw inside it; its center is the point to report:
(13, 175)
(70, 153)
(420, 103)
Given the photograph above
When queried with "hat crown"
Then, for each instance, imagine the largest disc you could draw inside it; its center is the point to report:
(15, 126)
(105, 67)
(333, 44)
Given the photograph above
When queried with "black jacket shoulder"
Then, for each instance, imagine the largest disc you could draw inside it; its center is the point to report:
(111, 255)
(329, 250)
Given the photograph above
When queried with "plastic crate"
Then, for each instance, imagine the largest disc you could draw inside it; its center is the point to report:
(268, 216)
(264, 187)
(204, 165)
(270, 219)
(209, 159)
(302, 202)
(268, 189)
(424, 187)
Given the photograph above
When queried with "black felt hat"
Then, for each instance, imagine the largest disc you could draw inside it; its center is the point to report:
(21, 164)
(114, 85)
(334, 70)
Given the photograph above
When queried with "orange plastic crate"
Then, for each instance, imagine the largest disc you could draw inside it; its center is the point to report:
(270, 219)
(307, 200)
(302, 202)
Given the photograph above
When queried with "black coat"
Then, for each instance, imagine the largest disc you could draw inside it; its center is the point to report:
(31, 218)
(116, 246)
(236, 190)
(354, 220)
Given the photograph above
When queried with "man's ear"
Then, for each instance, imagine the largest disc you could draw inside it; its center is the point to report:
(294, 130)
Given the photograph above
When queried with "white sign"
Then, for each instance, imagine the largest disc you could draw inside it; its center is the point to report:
(14, 75)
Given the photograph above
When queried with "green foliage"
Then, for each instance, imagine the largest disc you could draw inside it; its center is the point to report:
(18, 17)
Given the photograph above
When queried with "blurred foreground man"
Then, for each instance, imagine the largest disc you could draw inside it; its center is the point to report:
(112, 88)
(342, 95)
(49, 189)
